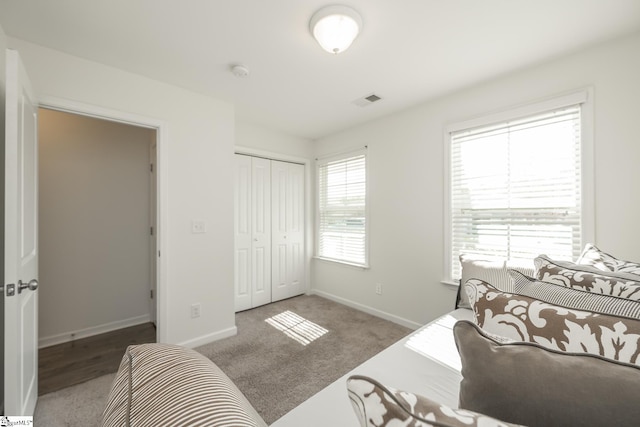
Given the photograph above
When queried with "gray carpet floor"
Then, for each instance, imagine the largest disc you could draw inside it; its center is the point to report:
(274, 371)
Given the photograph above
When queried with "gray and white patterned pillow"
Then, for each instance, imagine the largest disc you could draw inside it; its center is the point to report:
(376, 405)
(587, 278)
(554, 326)
(591, 255)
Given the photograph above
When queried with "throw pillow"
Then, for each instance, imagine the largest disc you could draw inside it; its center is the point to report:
(377, 405)
(574, 298)
(525, 318)
(586, 278)
(591, 255)
(528, 384)
(493, 272)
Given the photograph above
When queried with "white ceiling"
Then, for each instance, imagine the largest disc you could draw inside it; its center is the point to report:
(409, 51)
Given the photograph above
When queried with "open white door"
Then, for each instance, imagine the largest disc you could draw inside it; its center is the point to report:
(153, 240)
(21, 243)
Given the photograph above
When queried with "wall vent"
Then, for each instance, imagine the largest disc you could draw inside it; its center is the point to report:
(365, 101)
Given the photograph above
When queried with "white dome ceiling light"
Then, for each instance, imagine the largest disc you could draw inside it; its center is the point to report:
(335, 27)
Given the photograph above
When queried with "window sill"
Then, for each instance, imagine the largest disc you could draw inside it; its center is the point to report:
(450, 283)
(337, 261)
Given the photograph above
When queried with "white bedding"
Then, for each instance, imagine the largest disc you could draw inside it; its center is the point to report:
(425, 362)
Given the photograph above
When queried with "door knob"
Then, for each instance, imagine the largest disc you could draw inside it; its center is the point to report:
(32, 285)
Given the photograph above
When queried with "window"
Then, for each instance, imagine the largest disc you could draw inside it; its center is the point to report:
(342, 209)
(516, 185)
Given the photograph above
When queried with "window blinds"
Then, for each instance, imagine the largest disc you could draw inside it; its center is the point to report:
(516, 188)
(342, 222)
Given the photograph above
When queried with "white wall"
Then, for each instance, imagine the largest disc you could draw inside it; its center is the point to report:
(198, 167)
(3, 59)
(406, 177)
(94, 220)
(257, 137)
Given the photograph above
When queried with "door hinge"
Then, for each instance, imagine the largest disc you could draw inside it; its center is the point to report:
(151, 292)
(151, 230)
(151, 167)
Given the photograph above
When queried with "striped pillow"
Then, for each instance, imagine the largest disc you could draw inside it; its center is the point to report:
(574, 298)
(559, 327)
(169, 385)
(494, 272)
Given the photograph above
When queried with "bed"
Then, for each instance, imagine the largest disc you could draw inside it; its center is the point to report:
(425, 362)
(556, 349)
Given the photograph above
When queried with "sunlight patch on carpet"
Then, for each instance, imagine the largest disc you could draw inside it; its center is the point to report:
(296, 327)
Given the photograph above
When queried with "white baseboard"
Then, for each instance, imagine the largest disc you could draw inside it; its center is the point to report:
(209, 338)
(370, 310)
(94, 330)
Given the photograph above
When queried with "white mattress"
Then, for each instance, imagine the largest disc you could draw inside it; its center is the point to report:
(426, 362)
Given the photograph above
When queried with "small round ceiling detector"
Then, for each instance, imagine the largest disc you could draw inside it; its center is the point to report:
(240, 71)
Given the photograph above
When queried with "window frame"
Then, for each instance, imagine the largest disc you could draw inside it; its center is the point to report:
(332, 158)
(583, 98)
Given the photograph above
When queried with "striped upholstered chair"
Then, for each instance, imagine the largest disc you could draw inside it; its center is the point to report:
(168, 385)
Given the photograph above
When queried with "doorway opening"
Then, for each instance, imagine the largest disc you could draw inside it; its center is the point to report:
(98, 230)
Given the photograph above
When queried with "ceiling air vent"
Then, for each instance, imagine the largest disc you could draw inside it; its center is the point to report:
(367, 100)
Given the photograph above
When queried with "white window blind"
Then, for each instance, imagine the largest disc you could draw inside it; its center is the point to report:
(516, 188)
(342, 209)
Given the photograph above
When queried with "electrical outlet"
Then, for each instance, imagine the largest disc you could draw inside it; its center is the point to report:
(379, 288)
(198, 227)
(195, 310)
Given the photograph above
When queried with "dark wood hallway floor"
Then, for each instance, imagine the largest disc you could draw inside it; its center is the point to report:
(74, 362)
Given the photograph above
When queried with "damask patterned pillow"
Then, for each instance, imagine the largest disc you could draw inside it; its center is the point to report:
(586, 278)
(591, 255)
(527, 318)
(377, 405)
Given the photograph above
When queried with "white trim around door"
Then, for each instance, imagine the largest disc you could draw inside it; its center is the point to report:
(161, 128)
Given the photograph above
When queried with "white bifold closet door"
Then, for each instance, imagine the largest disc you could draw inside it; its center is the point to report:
(269, 231)
(287, 230)
(252, 232)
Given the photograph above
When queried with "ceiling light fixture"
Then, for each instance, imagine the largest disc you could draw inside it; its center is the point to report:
(335, 27)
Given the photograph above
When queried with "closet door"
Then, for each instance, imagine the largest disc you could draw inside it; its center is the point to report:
(252, 256)
(287, 195)
(261, 231)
